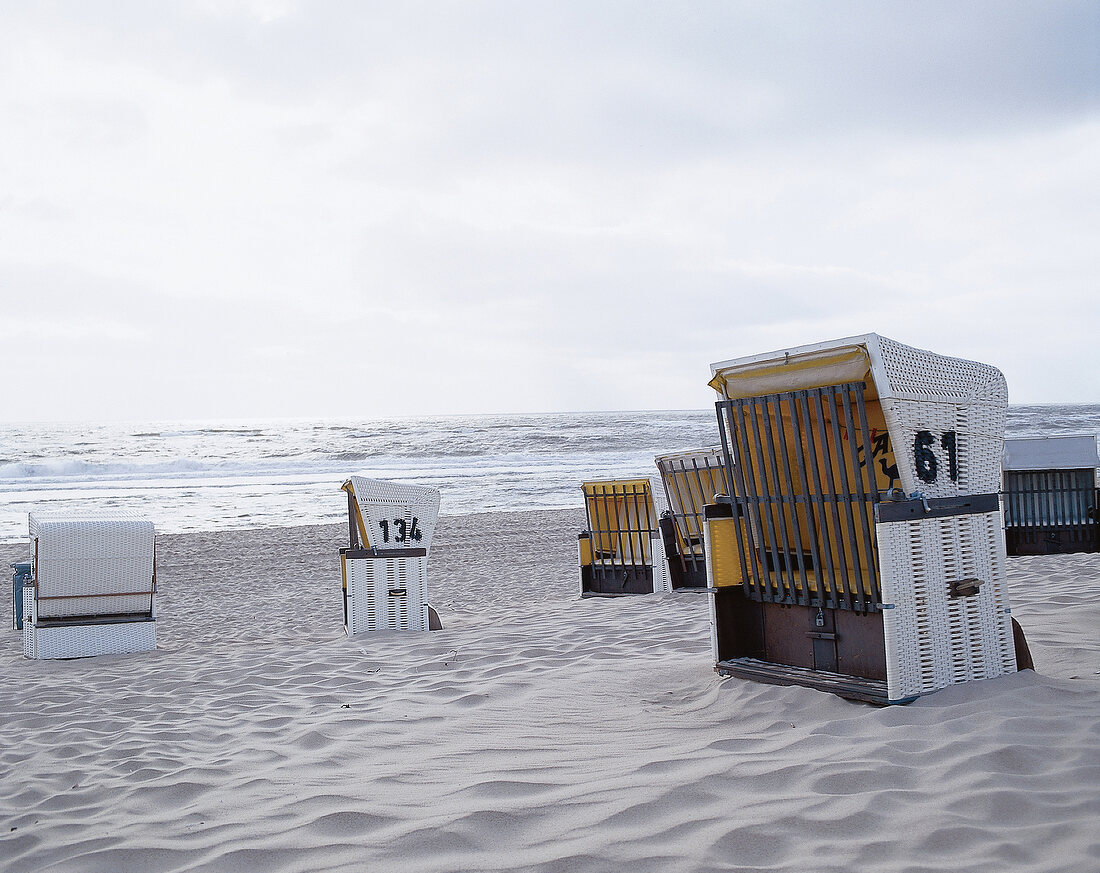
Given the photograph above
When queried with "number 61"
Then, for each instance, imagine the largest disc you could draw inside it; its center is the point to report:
(924, 459)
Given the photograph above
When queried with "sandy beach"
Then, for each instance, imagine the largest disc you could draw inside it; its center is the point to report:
(536, 732)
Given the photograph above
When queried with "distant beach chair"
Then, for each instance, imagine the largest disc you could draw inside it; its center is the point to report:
(92, 587)
(385, 568)
(690, 480)
(1050, 495)
(621, 552)
(860, 550)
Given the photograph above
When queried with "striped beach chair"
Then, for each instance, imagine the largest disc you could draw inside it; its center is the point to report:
(92, 587)
(1051, 498)
(385, 568)
(621, 551)
(690, 480)
(860, 550)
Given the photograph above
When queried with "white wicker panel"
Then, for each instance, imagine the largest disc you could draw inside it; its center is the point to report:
(371, 607)
(80, 556)
(68, 576)
(28, 623)
(979, 441)
(916, 374)
(77, 538)
(933, 640)
(87, 640)
(662, 578)
(712, 609)
(935, 393)
(383, 504)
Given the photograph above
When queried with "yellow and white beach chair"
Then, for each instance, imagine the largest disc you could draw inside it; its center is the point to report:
(92, 587)
(861, 549)
(621, 552)
(690, 480)
(385, 568)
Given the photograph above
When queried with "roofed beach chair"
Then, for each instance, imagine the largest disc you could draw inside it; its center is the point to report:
(690, 480)
(92, 587)
(860, 551)
(1051, 496)
(385, 567)
(621, 552)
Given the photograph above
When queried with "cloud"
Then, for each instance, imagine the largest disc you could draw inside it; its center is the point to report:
(538, 206)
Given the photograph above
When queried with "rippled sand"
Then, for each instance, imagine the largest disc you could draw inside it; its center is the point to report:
(537, 731)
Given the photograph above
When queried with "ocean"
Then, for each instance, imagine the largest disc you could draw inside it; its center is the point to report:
(214, 475)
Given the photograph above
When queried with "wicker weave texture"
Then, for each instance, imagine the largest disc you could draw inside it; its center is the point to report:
(662, 578)
(916, 374)
(89, 563)
(88, 640)
(712, 612)
(932, 639)
(28, 622)
(375, 598)
(935, 395)
(396, 515)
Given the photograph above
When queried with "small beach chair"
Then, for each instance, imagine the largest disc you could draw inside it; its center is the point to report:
(385, 567)
(860, 551)
(1050, 495)
(621, 552)
(690, 480)
(93, 587)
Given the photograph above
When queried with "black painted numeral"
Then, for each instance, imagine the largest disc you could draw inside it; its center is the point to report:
(948, 442)
(403, 530)
(924, 459)
(923, 456)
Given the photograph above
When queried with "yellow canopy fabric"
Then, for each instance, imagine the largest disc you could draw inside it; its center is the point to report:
(793, 372)
(621, 517)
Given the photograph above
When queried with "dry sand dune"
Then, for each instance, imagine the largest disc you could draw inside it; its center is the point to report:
(536, 732)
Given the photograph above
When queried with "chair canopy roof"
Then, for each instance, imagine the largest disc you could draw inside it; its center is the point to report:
(685, 457)
(65, 536)
(393, 515)
(609, 487)
(930, 403)
(1066, 452)
(890, 370)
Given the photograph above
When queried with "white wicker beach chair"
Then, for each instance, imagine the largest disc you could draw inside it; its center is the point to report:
(621, 552)
(93, 587)
(385, 569)
(861, 551)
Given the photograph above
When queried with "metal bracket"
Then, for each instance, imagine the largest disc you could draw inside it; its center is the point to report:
(935, 507)
(965, 587)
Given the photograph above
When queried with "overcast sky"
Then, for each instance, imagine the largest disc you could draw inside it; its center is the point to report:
(242, 209)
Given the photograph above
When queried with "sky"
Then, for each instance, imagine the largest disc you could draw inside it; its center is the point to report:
(358, 209)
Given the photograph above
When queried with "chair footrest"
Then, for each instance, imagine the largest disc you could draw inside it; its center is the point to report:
(120, 635)
(842, 684)
(87, 620)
